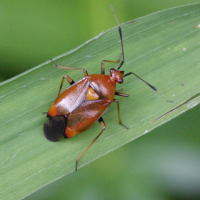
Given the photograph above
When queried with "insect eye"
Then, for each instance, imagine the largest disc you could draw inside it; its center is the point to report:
(120, 81)
(112, 71)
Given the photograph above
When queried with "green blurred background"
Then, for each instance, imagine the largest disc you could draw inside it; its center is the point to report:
(163, 164)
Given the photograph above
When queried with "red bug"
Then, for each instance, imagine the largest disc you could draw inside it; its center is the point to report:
(84, 102)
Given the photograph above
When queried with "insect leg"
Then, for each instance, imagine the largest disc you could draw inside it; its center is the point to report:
(151, 86)
(120, 122)
(70, 81)
(121, 94)
(110, 61)
(103, 128)
(71, 68)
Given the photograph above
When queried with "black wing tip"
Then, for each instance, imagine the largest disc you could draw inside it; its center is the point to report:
(54, 128)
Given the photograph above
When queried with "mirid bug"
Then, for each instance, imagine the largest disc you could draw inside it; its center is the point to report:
(84, 102)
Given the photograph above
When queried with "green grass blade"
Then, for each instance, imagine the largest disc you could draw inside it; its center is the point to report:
(163, 48)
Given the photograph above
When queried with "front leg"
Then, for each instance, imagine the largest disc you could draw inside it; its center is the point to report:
(110, 61)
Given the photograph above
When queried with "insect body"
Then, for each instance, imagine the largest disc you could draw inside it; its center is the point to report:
(84, 102)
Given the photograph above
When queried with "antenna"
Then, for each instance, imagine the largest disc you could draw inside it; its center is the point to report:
(120, 34)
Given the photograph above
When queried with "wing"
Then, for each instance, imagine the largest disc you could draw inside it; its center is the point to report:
(85, 116)
(72, 97)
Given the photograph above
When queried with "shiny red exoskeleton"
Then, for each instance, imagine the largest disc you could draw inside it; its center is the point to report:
(85, 101)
